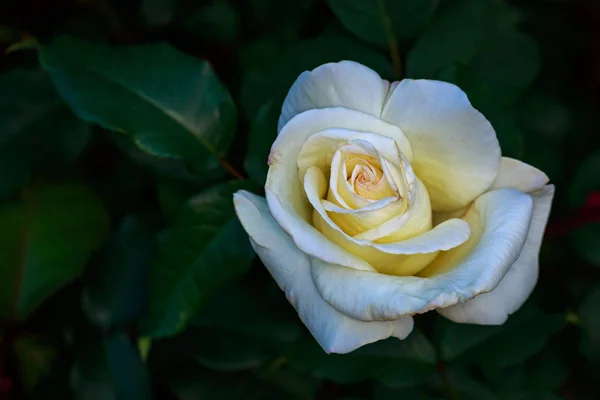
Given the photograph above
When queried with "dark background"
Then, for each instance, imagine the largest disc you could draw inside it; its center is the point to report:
(123, 271)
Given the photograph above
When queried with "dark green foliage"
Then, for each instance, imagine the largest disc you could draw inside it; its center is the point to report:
(124, 272)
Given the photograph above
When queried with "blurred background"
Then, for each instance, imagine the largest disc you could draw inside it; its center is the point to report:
(125, 127)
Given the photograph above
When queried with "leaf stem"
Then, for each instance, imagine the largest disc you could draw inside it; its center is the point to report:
(238, 175)
(392, 42)
(450, 390)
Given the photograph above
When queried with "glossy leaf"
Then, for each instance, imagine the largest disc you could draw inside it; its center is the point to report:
(497, 61)
(227, 352)
(196, 383)
(505, 66)
(171, 104)
(107, 367)
(392, 362)
(45, 241)
(39, 134)
(116, 288)
(253, 312)
(544, 372)
(380, 21)
(196, 258)
(522, 336)
(458, 30)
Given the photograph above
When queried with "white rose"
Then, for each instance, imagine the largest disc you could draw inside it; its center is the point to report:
(388, 200)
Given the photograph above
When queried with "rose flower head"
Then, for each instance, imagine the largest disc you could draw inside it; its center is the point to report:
(385, 200)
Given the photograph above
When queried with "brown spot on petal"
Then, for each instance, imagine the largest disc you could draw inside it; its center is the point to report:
(272, 159)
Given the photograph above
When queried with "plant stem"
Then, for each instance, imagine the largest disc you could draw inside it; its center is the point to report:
(391, 38)
(450, 390)
(231, 170)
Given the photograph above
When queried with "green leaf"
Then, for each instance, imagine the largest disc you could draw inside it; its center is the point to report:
(463, 385)
(546, 371)
(45, 241)
(171, 104)
(298, 385)
(263, 93)
(251, 312)
(505, 66)
(590, 325)
(458, 30)
(230, 352)
(174, 169)
(382, 392)
(257, 327)
(196, 258)
(456, 339)
(496, 62)
(39, 134)
(171, 196)
(523, 335)
(192, 383)
(284, 20)
(376, 21)
(107, 367)
(585, 240)
(128, 370)
(217, 21)
(116, 288)
(586, 180)
(394, 362)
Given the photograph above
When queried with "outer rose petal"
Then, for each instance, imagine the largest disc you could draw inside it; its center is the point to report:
(516, 174)
(345, 84)
(456, 152)
(335, 332)
(493, 308)
(368, 296)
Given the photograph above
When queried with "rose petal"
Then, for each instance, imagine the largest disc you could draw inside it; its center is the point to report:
(493, 308)
(350, 211)
(405, 257)
(369, 296)
(284, 191)
(419, 221)
(345, 84)
(388, 212)
(516, 174)
(456, 152)
(318, 150)
(335, 332)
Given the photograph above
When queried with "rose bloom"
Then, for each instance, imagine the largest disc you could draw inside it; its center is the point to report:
(386, 200)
